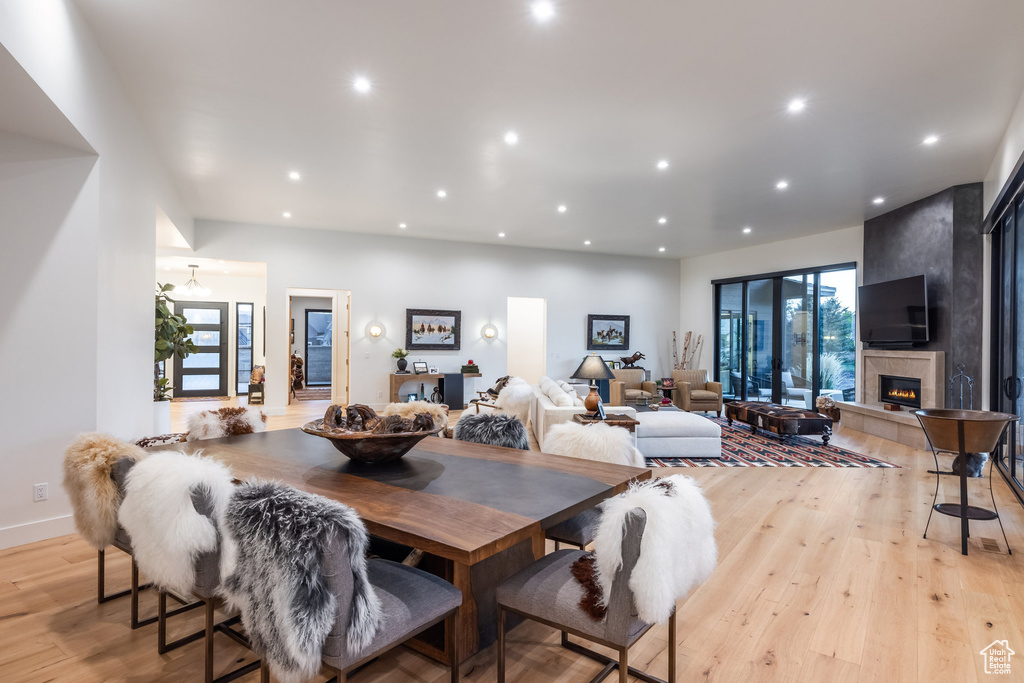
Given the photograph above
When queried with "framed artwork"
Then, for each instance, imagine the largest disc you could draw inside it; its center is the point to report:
(419, 367)
(607, 332)
(433, 330)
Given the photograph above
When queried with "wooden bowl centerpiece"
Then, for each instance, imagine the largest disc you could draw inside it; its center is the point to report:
(364, 436)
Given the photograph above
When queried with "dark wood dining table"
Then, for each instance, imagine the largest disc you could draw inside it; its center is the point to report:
(478, 512)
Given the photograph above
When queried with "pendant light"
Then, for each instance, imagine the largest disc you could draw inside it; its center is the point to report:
(192, 287)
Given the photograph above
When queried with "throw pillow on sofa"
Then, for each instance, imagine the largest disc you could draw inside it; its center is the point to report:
(559, 397)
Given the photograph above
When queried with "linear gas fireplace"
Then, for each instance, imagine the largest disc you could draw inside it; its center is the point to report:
(899, 391)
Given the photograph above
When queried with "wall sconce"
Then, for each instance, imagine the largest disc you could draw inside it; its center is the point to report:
(489, 332)
(375, 330)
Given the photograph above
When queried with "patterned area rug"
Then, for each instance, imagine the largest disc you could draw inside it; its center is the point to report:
(313, 394)
(742, 448)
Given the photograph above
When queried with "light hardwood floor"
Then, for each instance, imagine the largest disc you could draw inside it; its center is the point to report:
(822, 576)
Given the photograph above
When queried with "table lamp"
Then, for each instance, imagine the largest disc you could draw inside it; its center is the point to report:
(593, 368)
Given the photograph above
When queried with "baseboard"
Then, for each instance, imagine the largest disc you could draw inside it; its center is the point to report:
(31, 532)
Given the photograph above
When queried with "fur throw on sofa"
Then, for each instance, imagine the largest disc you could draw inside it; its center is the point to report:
(213, 424)
(408, 411)
(274, 574)
(515, 399)
(600, 442)
(493, 429)
(88, 463)
(167, 532)
(677, 552)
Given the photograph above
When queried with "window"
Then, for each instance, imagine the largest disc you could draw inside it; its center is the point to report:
(243, 356)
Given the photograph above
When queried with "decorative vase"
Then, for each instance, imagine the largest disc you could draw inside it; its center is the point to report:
(402, 364)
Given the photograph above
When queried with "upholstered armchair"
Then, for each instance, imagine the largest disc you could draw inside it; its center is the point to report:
(629, 386)
(695, 392)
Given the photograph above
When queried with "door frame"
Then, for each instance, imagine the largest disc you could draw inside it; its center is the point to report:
(341, 368)
(223, 327)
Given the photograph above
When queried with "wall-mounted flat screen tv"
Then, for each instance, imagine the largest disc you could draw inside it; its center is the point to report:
(894, 312)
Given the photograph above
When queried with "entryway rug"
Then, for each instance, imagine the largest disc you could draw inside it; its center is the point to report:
(742, 448)
(313, 394)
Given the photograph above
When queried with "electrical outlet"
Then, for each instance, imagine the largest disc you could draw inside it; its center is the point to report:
(380, 394)
(39, 492)
(366, 355)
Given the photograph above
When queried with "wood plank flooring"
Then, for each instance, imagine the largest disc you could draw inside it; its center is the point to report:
(822, 576)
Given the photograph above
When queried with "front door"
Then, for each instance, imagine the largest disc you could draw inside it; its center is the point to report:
(204, 373)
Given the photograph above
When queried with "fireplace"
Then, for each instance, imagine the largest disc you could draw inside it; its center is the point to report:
(903, 391)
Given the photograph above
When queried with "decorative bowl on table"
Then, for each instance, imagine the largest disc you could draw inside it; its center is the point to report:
(365, 437)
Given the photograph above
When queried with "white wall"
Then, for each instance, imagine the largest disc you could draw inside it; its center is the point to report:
(389, 274)
(697, 294)
(527, 321)
(79, 280)
(1007, 154)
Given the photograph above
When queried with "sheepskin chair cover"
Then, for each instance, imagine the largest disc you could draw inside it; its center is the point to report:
(88, 463)
(167, 532)
(515, 399)
(213, 424)
(275, 541)
(600, 442)
(493, 429)
(677, 551)
(413, 408)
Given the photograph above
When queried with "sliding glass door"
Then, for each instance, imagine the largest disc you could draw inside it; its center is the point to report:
(787, 337)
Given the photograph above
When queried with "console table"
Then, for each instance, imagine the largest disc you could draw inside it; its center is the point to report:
(450, 384)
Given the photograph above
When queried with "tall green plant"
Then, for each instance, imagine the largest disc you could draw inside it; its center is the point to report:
(172, 332)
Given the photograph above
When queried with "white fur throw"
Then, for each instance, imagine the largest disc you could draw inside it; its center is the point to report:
(213, 424)
(276, 539)
(167, 532)
(413, 408)
(600, 442)
(677, 552)
(516, 399)
(94, 496)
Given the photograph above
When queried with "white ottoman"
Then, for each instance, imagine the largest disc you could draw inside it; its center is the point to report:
(677, 434)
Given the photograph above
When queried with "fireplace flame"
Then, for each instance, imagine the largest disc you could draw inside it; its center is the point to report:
(902, 393)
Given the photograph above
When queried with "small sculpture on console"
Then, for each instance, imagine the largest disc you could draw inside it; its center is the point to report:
(630, 361)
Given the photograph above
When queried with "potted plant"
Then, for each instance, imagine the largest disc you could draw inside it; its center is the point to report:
(400, 354)
(171, 339)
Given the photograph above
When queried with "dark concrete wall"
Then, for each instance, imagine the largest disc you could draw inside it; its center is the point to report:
(940, 237)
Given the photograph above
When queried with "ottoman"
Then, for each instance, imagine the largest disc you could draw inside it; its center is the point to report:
(677, 434)
(780, 420)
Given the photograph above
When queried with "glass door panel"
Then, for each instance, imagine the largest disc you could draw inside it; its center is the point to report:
(204, 373)
(837, 316)
(759, 334)
(243, 350)
(1015, 465)
(730, 339)
(798, 341)
(318, 347)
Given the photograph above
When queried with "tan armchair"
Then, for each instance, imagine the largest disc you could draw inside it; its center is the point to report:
(695, 392)
(629, 386)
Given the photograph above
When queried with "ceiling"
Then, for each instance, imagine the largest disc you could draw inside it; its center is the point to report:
(238, 93)
(177, 266)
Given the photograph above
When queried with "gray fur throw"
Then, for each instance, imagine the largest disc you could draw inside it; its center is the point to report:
(275, 540)
(493, 429)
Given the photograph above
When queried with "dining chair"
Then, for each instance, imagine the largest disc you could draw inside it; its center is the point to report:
(547, 592)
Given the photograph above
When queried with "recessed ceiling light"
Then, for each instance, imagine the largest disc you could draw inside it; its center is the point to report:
(294, 175)
(662, 221)
(662, 165)
(562, 208)
(403, 226)
(226, 272)
(746, 231)
(661, 248)
(441, 194)
(287, 214)
(585, 242)
(501, 234)
(782, 185)
(362, 84)
(796, 106)
(878, 200)
(931, 140)
(511, 138)
(543, 10)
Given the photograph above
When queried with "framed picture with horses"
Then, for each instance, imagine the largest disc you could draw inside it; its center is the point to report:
(607, 332)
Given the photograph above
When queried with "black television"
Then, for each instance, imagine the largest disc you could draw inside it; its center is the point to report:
(894, 312)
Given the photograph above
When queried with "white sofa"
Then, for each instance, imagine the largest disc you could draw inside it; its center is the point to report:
(544, 414)
(677, 434)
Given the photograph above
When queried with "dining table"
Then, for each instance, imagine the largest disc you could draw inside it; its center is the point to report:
(478, 512)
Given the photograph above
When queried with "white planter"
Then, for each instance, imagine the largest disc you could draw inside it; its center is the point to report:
(161, 417)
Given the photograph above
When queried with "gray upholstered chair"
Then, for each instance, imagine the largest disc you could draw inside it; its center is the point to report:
(629, 386)
(547, 592)
(695, 392)
(578, 530)
(493, 429)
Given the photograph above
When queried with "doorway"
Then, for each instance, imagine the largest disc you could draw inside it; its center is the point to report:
(205, 372)
(318, 342)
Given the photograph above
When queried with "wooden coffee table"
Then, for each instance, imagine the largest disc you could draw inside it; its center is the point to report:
(612, 421)
(780, 420)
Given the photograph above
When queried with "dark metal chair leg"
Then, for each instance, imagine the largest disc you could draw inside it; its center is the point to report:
(672, 648)
(452, 643)
(501, 645)
(624, 665)
(101, 580)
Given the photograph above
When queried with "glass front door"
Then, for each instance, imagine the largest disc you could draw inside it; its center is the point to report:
(204, 373)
